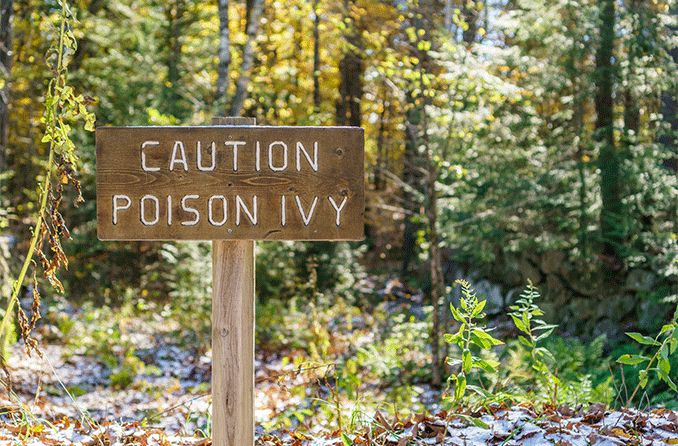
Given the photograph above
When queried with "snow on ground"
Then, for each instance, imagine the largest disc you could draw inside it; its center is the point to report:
(169, 405)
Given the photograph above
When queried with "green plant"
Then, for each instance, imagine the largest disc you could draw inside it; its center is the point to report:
(471, 335)
(525, 316)
(62, 107)
(666, 343)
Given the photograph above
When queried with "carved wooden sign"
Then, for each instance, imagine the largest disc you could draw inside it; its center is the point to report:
(230, 183)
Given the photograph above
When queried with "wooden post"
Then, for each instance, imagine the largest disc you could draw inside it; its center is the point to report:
(233, 335)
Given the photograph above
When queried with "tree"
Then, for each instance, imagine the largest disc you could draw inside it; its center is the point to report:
(610, 160)
(254, 12)
(224, 52)
(316, 56)
(351, 70)
(6, 10)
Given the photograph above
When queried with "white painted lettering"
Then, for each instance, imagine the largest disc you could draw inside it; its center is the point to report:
(117, 207)
(313, 162)
(338, 208)
(240, 205)
(178, 148)
(235, 145)
(212, 166)
(144, 167)
(210, 210)
(270, 156)
(156, 217)
(190, 210)
(304, 217)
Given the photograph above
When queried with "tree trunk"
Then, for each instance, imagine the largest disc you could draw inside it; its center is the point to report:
(610, 162)
(5, 74)
(669, 110)
(224, 52)
(470, 13)
(351, 72)
(435, 267)
(412, 178)
(381, 159)
(447, 15)
(174, 16)
(254, 12)
(316, 57)
(631, 106)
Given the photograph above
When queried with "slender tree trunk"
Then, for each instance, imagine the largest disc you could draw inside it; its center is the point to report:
(351, 70)
(669, 110)
(631, 106)
(379, 174)
(5, 74)
(470, 13)
(447, 14)
(435, 266)
(577, 123)
(350, 90)
(174, 17)
(254, 12)
(412, 178)
(610, 162)
(316, 57)
(224, 52)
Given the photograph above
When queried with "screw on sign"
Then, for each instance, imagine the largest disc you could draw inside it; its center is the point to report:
(232, 183)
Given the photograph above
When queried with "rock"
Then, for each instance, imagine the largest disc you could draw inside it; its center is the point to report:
(493, 293)
(651, 315)
(530, 272)
(553, 262)
(640, 280)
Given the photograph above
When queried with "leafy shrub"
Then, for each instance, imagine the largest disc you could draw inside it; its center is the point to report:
(665, 344)
(471, 335)
(525, 316)
(284, 269)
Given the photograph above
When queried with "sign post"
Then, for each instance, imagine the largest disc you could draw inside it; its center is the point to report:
(233, 303)
(232, 183)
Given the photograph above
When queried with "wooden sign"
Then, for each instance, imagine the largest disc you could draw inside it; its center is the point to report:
(230, 183)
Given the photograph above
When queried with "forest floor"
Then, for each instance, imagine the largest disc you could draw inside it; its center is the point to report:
(158, 394)
(171, 406)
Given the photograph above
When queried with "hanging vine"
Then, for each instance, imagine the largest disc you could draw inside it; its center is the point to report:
(45, 254)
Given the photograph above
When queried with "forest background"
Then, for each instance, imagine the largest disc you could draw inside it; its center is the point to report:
(507, 142)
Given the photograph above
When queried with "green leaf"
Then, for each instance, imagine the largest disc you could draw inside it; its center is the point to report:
(487, 339)
(664, 367)
(643, 378)
(460, 387)
(667, 327)
(453, 362)
(479, 308)
(467, 361)
(523, 340)
(488, 365)
(456, 314)
(545, 334)
(452, 338)
(632, 359)
(477, 422)
(346, 440)
(645, 340)
(519, 324)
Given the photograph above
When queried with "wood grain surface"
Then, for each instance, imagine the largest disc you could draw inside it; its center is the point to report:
(154, 184)
(233, 307)
(233, 343)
